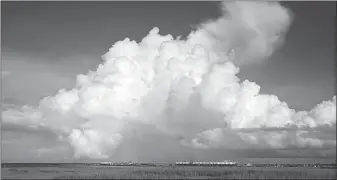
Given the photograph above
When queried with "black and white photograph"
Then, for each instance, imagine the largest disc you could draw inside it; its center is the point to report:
(168, 90)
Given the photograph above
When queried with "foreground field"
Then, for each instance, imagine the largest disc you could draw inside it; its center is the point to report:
(210, 173)
(167, 173)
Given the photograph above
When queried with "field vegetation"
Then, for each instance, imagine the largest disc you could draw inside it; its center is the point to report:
(206, 173)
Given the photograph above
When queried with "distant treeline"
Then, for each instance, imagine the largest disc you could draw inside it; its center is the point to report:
(42, 164)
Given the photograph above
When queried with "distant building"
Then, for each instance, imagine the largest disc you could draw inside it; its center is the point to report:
(117, 163)
(216, 163)
(249, 165)
(106, 163)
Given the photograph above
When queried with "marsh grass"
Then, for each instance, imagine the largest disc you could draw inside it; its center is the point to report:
(206, 173)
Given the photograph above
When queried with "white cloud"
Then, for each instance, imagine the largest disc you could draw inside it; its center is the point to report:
(284, 138)
(182, 88)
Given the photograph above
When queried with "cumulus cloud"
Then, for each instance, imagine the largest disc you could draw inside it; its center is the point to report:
(183, 92)
(252, 30)
(259, 139)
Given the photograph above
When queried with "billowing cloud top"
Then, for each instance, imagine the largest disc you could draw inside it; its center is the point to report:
(184, 90)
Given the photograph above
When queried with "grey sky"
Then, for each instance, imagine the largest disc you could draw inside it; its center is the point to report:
(46, 44)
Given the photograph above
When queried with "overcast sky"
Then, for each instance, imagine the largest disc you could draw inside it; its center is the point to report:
(44, 45)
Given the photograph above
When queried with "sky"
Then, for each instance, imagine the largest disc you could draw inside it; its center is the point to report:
(44, 45)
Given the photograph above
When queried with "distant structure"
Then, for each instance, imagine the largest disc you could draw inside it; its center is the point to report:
(117, 164)
(214, 163)
(248, 165)
(198, 163)
(106, 163)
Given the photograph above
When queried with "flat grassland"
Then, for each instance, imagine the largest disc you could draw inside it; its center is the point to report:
(80, 171)
(203, 173)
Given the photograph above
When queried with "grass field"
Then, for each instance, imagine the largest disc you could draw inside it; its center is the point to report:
(206, 173)
(164, 172)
